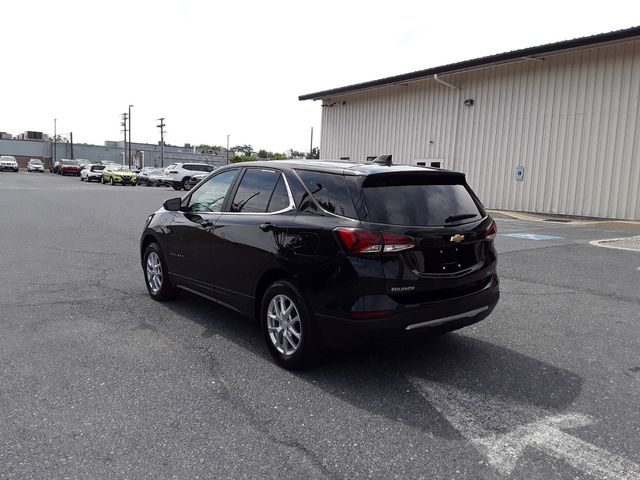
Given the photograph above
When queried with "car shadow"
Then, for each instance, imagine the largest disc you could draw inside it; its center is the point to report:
(378, 376)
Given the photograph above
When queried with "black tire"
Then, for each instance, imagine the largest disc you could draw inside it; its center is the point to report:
(166, 290)
(308, 349)
(186, 186)
(102, 180)
(111, 182)
(176, 187)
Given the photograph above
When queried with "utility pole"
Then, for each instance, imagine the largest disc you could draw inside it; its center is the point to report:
(130, 136)
(161, 126)
(55, 141)
(227, 149)
(311, 148)
(124, 129)
(71, 137)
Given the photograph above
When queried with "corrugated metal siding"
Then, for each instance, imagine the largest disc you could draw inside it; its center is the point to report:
(571, 120)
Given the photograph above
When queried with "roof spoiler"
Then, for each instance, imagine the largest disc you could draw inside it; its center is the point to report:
(383, 160)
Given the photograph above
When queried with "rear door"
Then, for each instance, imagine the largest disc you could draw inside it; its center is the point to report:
(250, 234)
(453, 255)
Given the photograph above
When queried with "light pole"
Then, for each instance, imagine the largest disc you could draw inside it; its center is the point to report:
(130, 135)
(55, 141)
(227, 149)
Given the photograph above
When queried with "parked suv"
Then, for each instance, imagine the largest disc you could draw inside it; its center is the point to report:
(69, 167)
(92, 172)
(8, 162)
(177, 175)
(317, 250)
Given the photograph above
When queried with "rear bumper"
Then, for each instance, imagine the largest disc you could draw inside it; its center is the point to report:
(433, 317)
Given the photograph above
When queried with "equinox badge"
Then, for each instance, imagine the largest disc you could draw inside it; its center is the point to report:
(457, 238)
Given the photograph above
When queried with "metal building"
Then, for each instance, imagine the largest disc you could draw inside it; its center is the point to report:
(549, 129)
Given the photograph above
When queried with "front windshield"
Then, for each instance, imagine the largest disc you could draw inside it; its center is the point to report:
(35, 162)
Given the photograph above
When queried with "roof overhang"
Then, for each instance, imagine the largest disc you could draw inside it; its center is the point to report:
(507, 57)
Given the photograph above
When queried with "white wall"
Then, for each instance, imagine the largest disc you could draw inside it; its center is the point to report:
(571, 120)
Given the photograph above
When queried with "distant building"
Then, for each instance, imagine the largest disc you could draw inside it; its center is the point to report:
(143, 154)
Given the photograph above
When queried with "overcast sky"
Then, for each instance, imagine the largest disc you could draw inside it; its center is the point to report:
(237, 67)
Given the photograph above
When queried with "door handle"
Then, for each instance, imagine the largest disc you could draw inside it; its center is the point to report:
(266, 227)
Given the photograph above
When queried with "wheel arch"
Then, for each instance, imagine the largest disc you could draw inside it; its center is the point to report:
(146, 240)
(267, 279)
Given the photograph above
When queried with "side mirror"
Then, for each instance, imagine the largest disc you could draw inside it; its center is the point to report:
(173, 204)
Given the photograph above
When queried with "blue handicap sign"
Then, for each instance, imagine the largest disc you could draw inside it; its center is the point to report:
(530, 236)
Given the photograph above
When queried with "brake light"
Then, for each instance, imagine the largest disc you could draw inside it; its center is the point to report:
(357, 241)
(173, 171)
(491, 231)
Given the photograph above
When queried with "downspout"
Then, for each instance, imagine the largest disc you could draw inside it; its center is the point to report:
(456, 122)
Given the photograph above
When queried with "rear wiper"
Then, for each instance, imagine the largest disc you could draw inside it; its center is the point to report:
(461, 216)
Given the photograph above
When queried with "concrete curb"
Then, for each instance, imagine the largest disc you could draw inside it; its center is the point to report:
(624, 240)
(622, 225)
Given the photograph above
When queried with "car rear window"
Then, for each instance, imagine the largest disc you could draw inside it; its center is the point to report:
(419, 200)
(330, 191)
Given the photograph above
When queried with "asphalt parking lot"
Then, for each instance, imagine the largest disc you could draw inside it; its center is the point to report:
(99, 381)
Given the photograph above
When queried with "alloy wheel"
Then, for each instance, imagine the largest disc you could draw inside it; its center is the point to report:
(154, 272)
(284, 325)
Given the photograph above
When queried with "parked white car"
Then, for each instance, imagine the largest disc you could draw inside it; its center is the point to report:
(178, 174)
(35, 165)
(91, 172)
(8, 162)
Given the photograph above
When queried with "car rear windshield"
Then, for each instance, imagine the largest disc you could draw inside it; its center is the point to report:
(69, 162)
(419, 200)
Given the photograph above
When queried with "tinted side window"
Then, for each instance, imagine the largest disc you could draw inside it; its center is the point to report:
(210, 196)
(254, 191)
(330, 191)
(280, 197)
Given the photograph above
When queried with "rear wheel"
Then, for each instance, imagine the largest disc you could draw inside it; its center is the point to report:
(156, 275)
(289, 327)
(185, 184)
(176, 187)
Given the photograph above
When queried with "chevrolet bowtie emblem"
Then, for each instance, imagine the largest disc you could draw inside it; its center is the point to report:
(457, 238)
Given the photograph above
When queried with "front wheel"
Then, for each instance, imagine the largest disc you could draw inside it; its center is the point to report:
(176, 187)
(111, 181)
(289, 327)
(156, 275)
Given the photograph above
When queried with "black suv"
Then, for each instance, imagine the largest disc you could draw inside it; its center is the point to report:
(313, 248)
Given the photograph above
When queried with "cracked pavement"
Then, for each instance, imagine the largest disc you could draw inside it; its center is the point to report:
(99, 381)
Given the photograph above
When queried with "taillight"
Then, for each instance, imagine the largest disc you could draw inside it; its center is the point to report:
(357, 241)
(173, 171)
(491, 231)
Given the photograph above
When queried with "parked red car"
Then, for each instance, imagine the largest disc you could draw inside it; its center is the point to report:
(69, 167)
